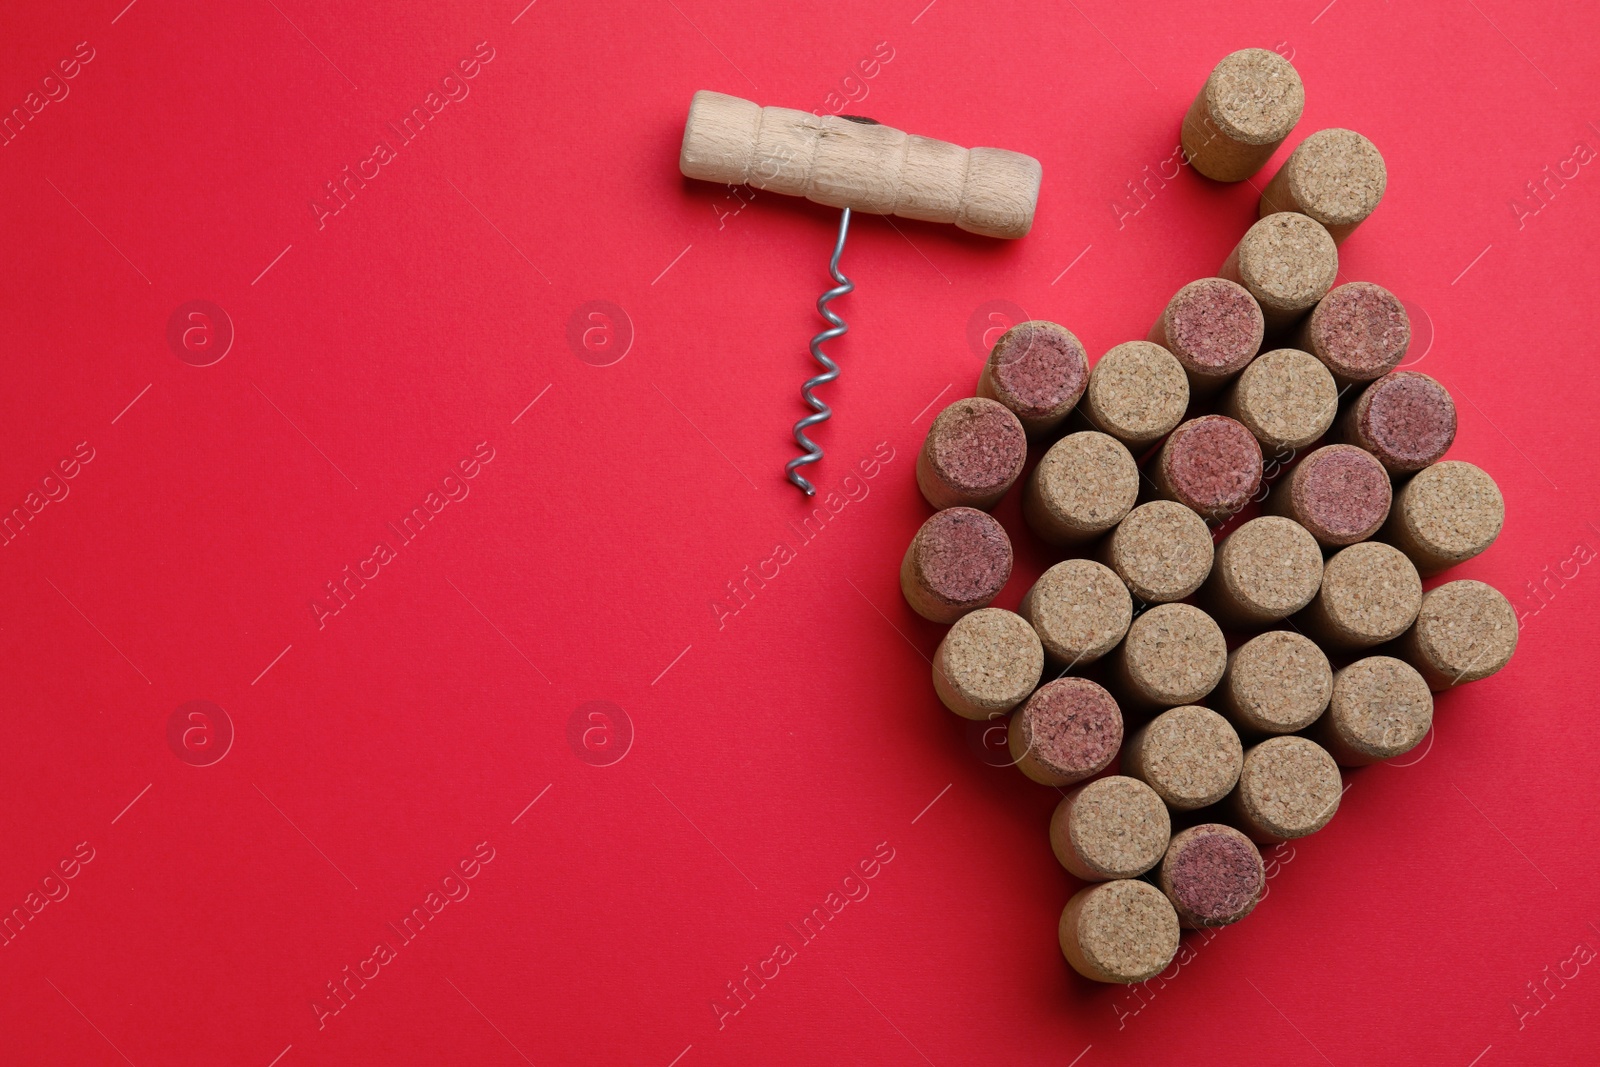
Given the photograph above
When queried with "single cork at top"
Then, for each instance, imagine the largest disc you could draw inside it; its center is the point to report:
(1213, 327)
(1266, 570)
(1081, 488)
(1360, 331)
(1370, 594)
(1406, 419)
(1287, 262)
(1112, 827)
(1445, 515)
(1285, 397)
(1124, 931)
(1381, 709)
(1211, 464)
(1339, 493)
(1080, 610)
(1289, 788)
(1162, 551)
(1190, 756)
(1067, 731)
(1037, 369)
(974, 451)
(1335, 176)
(1248, 105)
(1213, 875)
(1278, 682)
(1465, 631)
(987, 664)
(957, 562)
(1173, 654)
(1137, 392)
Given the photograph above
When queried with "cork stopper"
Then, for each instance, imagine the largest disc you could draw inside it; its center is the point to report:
(1213, 327)
(1123, 931)
(974, 451)
(1285, 397)
(1445, 515)
(1465, 631)
(1038, 370)
(1289, 788)
(987, 664)
(1370, 594)
(1360, 331)
(1381, 708)
(957, 562)
(1335, 176)
(1287, 262)
(1190, 756)
(1248, 105)
(1339, 493)
(1081, 488)
(1266, 570)
(1211, 464)
(1080, 610)
(1162, 551)
(1112, 827)
(1278, 682)
(1213, 875)
(1067, 731)
(1406, 419)
(1137, 393)
(1173, 654)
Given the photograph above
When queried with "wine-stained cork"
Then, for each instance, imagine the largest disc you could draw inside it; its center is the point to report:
(1190, 756)
(1213, 875)
(1123, 931)
(1211, 464)
(1162, 551)
(1213, 328)
(1370, 594)
(1246, 108)
(1287, 262)
(1080, 610)
(1112, 827)
(1137, 392)
(1381, 709)
(1266, 570)
(1278, 682)
(1465, 631)
(1360, 331)
(1335, 176)
(973, 453)
(1067, 731)
(1406, 419)
(1037, 369)
(987, 664)
(1285, 397)
(1289, 788)
(957, 562)
(1445, 515)
(1081, 488)
(1339, 493)
(1173, 654)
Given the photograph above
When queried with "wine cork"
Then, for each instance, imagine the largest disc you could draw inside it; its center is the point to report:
(1081, 488)
(1037, 369)
(1080, 610)
(1406, 419)
(1213, 328)
(1173, 654)
(1285, 397)
(1335, 176)
(1067, 731)
(1137, 393)
(1248, 105)
(957, 562)
(973, 453)
(1381, 709)
(1213, 875)
(1278, 682)
(1121, 932)
(1465, 631)
(1289, 788)
(1339, 493)
(987, 664)
(1287, 262)
(1370, 594)
(1112, 827)
(1162, 551)
(1190, 756)
(1445, 515)
(1211, 464)
(1360, 331)
(1266, 570)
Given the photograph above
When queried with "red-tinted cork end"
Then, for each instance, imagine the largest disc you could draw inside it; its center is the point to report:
(1217, 878)
(1360, 331)
(1408, 420)
(964, 556)
(1212, 464)
(1214, 327)
(1342, 494)
(1042, 370)
(978, 446)
(1075, 725)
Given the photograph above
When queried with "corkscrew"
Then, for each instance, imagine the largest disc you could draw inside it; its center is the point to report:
(821, 411)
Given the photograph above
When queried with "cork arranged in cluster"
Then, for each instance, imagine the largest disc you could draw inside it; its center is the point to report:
(1244, 504)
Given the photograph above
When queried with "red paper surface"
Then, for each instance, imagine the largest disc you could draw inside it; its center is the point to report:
(442, 722)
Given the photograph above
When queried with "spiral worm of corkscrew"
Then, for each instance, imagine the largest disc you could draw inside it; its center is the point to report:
(831, 371)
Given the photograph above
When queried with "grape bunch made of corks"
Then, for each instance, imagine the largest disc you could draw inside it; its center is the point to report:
(1233, 666)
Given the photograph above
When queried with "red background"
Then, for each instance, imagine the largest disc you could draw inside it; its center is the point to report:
(773, 753)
